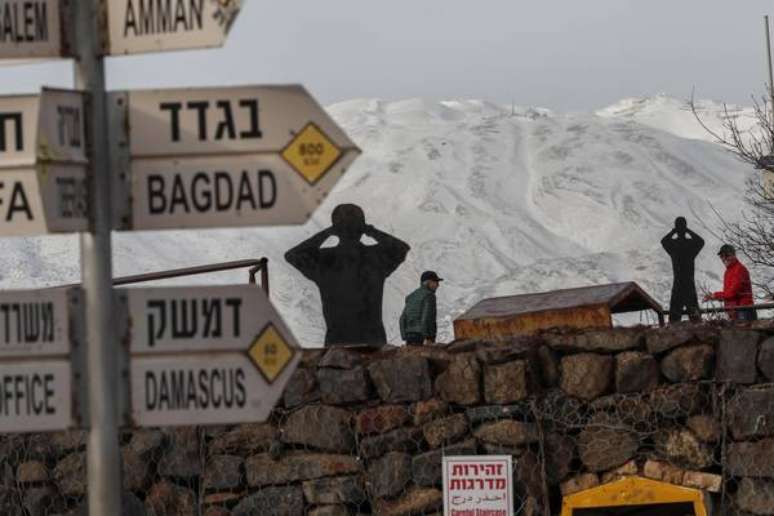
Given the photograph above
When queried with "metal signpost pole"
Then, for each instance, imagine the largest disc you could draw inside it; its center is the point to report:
(104, 461)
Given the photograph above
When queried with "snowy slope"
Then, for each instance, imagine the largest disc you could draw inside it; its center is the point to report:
(498, 202)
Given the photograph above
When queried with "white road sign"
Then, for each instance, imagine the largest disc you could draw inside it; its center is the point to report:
(37, 396)
(137, 26)
(206, 355)
(219, 157)
(31, 29)
(43, 163)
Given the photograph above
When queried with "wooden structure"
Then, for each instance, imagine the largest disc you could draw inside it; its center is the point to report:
(637, 496)
(585, 307)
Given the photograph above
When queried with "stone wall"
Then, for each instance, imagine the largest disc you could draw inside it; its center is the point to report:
(364, 431)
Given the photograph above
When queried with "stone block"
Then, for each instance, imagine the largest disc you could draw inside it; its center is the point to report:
(681, 400)
(301, 389)
(446, 430)
(736, 360)
(70, 475)
(31, 472)
(274, 501)
(705, 427)
(402, 439)
(751, 413)
(505, 383)
(417, 500)
(223, 472)
(688, 363)
(477, 415)
(586, 375)
(627, 470)
(389, 475)
(341, 358)
(507, 433)
(597, 341)
(663, 472)
(606, 447)
(751, 459)
(766, 359)
(635, 372)
(426, 411)
(755, 496)
(136, 470)
(663, 339)
(460, 383)
(426, 468)
(170, 499)
(321, 427)
(683, 448)
(183, 458)
(402, 379)
(262, 470)
(560, 452)
(343, 386)
(244, 440)
(705, 481)
(335, 490)
(378, 420)
(579, 483)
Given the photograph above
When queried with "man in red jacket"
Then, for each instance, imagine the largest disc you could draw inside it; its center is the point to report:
(737, 288)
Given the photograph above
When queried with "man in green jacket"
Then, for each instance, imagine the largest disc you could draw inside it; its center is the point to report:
(417, 322)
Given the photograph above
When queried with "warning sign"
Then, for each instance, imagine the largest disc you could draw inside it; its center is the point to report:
(479, 485)
(311, 153)
(270, 353)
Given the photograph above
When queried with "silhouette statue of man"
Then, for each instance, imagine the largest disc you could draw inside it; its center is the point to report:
(683, 246)
(350, 276)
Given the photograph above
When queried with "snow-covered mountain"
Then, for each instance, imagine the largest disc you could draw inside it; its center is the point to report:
(497, 200)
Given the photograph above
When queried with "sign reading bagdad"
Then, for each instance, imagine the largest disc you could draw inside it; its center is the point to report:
(36, 387)
(206, 355)
(137, 26)
(30, 29)
(42, 163)
(240, 156)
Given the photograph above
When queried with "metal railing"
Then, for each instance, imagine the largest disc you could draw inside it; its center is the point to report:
(720, 309)
(255, 266)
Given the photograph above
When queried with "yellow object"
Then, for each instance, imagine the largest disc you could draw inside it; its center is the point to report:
(270, 353)
(311, 153)
(634, 490)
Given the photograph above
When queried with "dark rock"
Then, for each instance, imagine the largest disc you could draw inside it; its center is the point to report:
(70, 475)
(343, 387)
(389, 475)
(635, 372)
(31, 472)
(336, 490)
(549, 366)
(603, 447)
(223, 472)
(216, 511)
(402, 379)
(681, 447)
(446, 430)
(330, 510)
(378, 420)
(40, 501)
(136, 470)
(426, 469)
(505, 383)
(38, 447)
(602, 341)
(341, 358)
(244, 440)
(560, 452)
(688, 363)
(130, 506)
(183, 459)
(146, 443)
(680, 400)
(301, 389)
(272, 501)
(322, 427)
(751, 413)
(460, 383)
(507, 433)
(415, 501)
(766, 359)
(168, 499)
(751, 459)
(737, 352)
(586, 375)
(755, 496)
(68, 441)
(426, 411)
(706, 428)
(528, 477)
(262, 470)
(664, 339)
(478, 415)
(402, 439)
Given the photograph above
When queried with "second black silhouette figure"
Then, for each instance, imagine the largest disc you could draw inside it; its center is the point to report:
(683, 246)
(350, 276)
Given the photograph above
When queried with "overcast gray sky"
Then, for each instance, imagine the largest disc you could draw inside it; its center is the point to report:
(561, 54)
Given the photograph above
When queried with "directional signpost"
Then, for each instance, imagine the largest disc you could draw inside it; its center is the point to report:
(137, 26)
(42, 164)
(37, 333)
(205, 355)
(217, 157)
(90, 162)
(32, 29)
